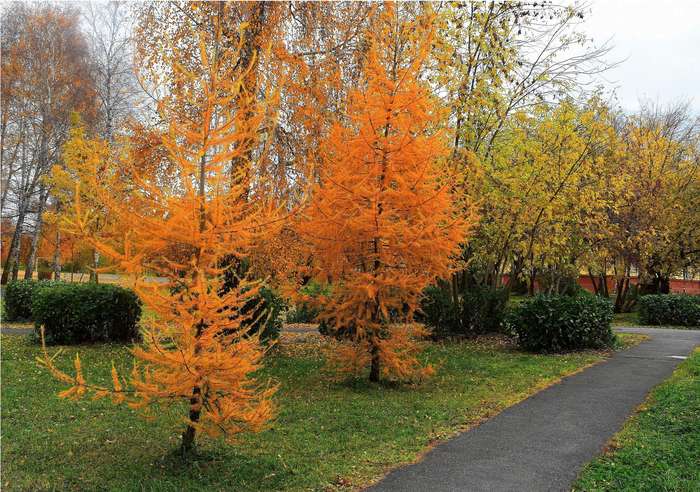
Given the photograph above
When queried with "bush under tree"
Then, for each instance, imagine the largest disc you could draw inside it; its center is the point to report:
(478, 310)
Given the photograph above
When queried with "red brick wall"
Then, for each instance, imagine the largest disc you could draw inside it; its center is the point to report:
(678, 286)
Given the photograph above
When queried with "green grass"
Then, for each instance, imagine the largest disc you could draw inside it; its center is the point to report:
(626, 319)
(659, 448)
(328, 435)
(632, 319)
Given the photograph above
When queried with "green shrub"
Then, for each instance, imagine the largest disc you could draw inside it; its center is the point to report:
(264, 310)
(560, 323)
(268, 309)
(18, 298)
(483, 310)
(439, 312)
(479, 310)
(77, 313)
(305, 312)
(669, 309)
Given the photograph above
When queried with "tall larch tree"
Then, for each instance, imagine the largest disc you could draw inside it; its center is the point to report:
(382, 225)
(179, 223)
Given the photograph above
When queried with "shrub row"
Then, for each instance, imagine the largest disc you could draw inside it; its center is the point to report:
(477, 311)
(78, 313)
(669, 309)
(556, 323)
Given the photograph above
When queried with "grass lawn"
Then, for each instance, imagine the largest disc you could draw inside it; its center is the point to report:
(626, 319)
(328, 435)
(659, 448)
(632, 319)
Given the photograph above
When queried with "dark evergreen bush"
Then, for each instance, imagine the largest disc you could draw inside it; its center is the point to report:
(478, 310)
(268, 309)
(264, 310)
(18, 298)
(78, 313)
(669, 309)
(439, 312)
(304, 312)
(561, 323)
(483, 310)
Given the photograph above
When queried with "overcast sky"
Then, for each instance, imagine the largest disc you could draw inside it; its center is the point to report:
(660, 41)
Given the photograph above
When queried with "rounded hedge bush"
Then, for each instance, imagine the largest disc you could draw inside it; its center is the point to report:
(18, 298)
(669, 309)
(554, 323)
(78, 313)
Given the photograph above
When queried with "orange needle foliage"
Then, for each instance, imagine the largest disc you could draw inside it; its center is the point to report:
(382, 224)
(180, 223)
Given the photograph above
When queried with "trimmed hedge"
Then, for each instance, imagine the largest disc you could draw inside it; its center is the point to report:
(556, 323)
(669, 309)
(18, 298)
(478, 311)
(78, 313)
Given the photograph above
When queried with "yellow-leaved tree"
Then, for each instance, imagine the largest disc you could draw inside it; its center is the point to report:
(180, 220)
(382, 224)
(82, 157)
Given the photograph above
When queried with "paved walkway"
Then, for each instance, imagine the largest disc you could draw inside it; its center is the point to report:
(11, 329)
(541, 443)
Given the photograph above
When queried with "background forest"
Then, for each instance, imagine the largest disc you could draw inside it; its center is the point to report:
(563, 182)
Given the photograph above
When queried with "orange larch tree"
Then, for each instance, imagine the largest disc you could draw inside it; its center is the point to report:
(382, 224)
(178, 222)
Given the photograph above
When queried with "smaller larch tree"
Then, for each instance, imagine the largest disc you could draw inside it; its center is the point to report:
(181, 220)
(81, 157)
(382, 225)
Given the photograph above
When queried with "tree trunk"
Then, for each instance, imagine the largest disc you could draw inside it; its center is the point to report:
(621, 295)
(31, 261)
(531, 283)
(596, 289)
(376, 364)
(188, 437)
(57, 256)
(13, 254)
(93, 272)
(15, 263)
(604, 285)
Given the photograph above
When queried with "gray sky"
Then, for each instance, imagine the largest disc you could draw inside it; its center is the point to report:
(661, 43)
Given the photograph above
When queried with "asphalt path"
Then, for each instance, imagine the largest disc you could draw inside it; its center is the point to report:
(541, 443)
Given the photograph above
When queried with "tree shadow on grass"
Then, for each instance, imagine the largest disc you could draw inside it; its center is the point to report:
(225, 466)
